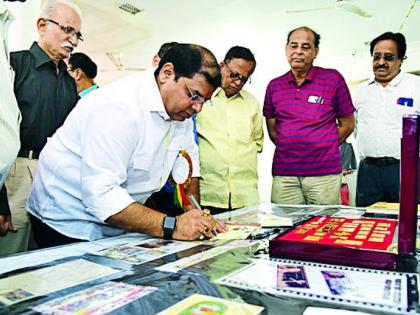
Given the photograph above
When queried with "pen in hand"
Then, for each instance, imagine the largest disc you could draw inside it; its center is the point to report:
(206, 212)
(194, 202)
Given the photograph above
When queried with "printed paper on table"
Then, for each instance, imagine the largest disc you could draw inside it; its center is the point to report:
(30, 284)
(204, 304)
(96, 300)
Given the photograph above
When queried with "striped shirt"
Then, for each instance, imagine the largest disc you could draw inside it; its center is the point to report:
(306, 127)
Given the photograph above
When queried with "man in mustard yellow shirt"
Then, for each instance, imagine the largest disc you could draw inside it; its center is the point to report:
(230, 136)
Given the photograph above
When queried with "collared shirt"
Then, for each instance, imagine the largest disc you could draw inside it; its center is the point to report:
(117, 146)
(230, 135)
(88, 90)
(44, 96)
(306, 122)
(9, 111)
(379, 114)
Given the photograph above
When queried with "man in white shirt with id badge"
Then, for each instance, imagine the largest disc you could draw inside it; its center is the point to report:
(380, 104)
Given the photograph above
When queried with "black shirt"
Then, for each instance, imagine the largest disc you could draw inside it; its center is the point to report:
(45, 97)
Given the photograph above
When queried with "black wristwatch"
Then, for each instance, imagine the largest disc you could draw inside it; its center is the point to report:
(168, 226)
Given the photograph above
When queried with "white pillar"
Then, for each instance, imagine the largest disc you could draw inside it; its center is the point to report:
(23, 31)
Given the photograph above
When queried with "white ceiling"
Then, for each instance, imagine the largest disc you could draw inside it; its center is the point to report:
(261, 25)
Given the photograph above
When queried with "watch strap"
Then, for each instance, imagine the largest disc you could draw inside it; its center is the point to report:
(168, 227)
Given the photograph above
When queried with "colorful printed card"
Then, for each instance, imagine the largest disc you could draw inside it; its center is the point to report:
(384, 290)
(30, 284)
(15, 296)
(145, 251)
(369, 234)
(99, 299)
(208, 305)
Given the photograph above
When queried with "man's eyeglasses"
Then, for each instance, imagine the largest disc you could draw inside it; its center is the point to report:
(70, 69)
(67, 29)
(387, 57)
(195, 97)
(236, 76)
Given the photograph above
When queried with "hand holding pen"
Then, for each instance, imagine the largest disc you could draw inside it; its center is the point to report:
(215, 225)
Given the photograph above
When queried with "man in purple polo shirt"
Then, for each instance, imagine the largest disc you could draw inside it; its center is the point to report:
(308, 112)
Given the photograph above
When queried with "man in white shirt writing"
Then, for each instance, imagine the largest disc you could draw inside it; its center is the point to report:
(119, 146)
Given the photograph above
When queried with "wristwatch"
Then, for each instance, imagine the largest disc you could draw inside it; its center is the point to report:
(168, 226)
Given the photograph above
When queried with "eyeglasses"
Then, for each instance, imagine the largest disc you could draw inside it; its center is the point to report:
(236, 76)
(67, 29)
(70, 69)
(387, 57)
(195, 97)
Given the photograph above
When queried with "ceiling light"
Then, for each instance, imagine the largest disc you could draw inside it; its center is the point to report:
(127, 7)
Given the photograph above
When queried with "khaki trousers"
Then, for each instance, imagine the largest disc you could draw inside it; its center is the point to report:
(18, 183)
(315, 190)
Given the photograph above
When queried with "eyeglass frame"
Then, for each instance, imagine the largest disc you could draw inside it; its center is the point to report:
(67, 29)
(386, 56)
(236, 76)
(71, 69)
(194, 97)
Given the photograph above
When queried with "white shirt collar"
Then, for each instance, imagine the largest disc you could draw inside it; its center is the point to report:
(149, 94)
(394, 82)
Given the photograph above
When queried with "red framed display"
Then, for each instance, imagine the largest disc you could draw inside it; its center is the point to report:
(364, 242)
(354, 242)
(368, 234)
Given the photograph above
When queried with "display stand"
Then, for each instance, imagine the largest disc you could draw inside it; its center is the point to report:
(352, 242)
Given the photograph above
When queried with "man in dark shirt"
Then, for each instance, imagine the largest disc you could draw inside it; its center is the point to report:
(46, 94)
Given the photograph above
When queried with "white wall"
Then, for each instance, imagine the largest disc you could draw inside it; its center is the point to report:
(22, 31)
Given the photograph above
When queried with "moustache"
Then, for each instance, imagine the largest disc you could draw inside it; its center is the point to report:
(69, 45)
(381, 67)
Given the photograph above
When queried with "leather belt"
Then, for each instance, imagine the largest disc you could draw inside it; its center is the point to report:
(381, 160)
(29, 154)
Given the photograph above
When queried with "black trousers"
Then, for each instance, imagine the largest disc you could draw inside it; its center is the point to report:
(46, 236)
(216, 210)
(4, 202)
(376, 182)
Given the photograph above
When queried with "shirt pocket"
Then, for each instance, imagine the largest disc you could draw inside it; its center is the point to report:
(177, 144)
(140, 177)
(142, 162)
(239, 127)
(404, 105)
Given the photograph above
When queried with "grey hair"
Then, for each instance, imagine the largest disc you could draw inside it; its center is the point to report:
(50, 6)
